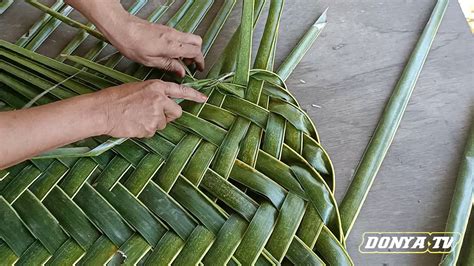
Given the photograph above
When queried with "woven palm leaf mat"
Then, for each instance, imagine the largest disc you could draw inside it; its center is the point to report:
(241, 179)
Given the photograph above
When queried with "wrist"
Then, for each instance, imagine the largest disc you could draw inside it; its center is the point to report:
(95, 110)
(110, 19)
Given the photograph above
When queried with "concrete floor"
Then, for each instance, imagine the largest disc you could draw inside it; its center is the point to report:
(350, 73)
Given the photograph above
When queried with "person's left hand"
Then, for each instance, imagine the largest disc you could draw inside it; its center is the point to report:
(155, 45)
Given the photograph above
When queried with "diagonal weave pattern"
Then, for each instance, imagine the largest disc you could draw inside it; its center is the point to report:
(237, 180)
(184, 189)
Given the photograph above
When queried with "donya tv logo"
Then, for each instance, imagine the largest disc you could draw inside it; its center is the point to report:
(415, 242)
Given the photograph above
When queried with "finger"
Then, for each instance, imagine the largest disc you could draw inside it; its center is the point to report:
(182, 92)
(199, 62)
(183, 50)
(172, 111)
(167, 64)
(149, 135)
(188, 38)
(188, 61)
(162, 121)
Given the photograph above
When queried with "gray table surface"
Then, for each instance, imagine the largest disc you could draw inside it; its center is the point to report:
(344, 83)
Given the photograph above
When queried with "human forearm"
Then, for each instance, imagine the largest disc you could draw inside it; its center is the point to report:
(26, 133)
(125, 111)
(108, 15)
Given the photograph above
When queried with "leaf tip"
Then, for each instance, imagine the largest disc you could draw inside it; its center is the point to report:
(322, 20)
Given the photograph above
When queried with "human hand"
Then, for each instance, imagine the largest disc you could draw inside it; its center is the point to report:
(140, 109)
(155, 45)
(150, 44)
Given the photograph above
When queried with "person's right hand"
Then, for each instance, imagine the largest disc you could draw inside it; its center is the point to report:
(155, 45)
(140, 109)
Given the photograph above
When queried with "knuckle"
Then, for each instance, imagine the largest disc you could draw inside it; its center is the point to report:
(156, 86)
(183, 90)
(150, 133)
(169, 65)
(147, 63)
(153, 92)
(150, 128)
(160, 98)
(161, 126)
(179, 112)
(152, 83)
(151, 125)
(145, 60)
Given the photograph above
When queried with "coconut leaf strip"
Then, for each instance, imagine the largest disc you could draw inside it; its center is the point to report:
(4, 5)
(109, 72)
(66, 19)
(231, 50)
(257, 234)
(15, 234)
(160, 11)
(51, 63)
(331, 250)
(194, 16)
(39, 24)
(297, 54)
(389, 122)
(47, 29)
(466, 257)
(264, 60)
(243, 62)
(461, 204)
(37, 81)
(213, 31)
(56, 77)
(181, 13)
(300, 254)
(196, 247)
(287, 223)
(265, 50)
